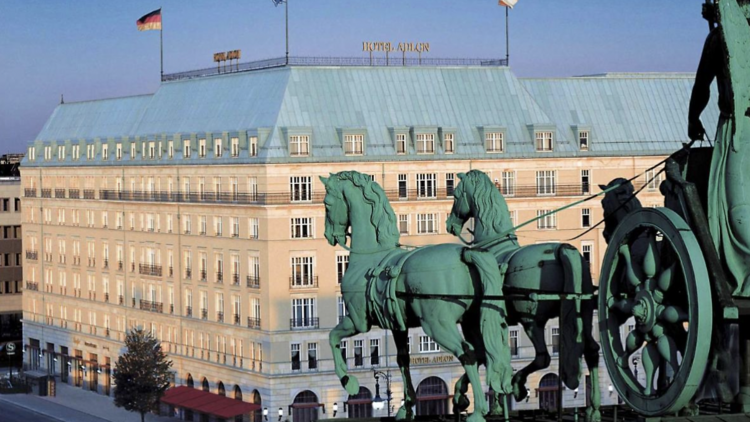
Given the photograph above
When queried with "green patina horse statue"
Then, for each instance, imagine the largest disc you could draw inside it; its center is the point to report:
(396, 289)
(531, 271)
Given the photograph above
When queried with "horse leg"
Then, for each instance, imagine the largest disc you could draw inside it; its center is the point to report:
(343, 330)
(446, 334)
(460, 400)
(535, 332)
(591, 354)
(401, 338)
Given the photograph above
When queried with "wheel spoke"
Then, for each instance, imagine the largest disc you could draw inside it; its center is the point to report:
(633, 342)
(668, 351)
(665, 279)
(624, 306)
(650, 358)
(630, 271)
(673, 315)
(650, 259)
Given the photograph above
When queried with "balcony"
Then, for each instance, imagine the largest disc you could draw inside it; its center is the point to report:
(236, 279)
(91, 262)
(299, 282)
(188, 272)
(89, 194)
(203, 275)
(152, 306)
(106, 297)
(74, 193)
(46, 193)
(171, 309)
(32, 255)
(188, 311)
(30, 285)
(220, 316)
(171, 271)
(204, 313)
(29, 193)
(121, 299)
(304, 323)
(236, 319)
(119, 265)
(253, 282)
(106, 264)
(253, 323)
(152, 270)
(219, 277)
(60, 193)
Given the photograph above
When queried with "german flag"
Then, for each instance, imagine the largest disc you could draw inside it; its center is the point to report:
(150, 21)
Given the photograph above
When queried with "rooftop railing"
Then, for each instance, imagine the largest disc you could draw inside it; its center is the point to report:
(392, 61)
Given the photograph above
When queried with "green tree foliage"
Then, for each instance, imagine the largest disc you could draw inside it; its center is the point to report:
(141, 374)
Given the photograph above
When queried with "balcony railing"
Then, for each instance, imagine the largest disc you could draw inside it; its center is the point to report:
(253, 323)
(121, 299)
(188, 311)
(236, 319)
(299, 282)
(119, 265)
(74, 193)
(147, 305)
(304, 323)
(220, 316)
(106, 297)
(188, 272)
(30, 285)
(89, 194)
(29, 193)
(46, 193)
(203, 275)
(219, 277)
(236, 279)
(152, 270)
(59, 193)
(204, 313)
(32, 255)
(253, 282)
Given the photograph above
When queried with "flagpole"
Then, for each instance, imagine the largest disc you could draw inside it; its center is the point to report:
(161, 44)
(507, 41)
(286, 17)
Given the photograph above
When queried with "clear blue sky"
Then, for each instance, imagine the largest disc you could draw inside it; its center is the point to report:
(90, 49)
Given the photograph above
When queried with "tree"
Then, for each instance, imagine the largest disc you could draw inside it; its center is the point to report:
(141, 373)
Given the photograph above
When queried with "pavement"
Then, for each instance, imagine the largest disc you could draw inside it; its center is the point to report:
(74, 404)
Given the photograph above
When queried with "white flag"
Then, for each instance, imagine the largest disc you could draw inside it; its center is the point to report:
(507, 3)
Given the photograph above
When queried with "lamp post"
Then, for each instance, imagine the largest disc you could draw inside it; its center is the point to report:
(378, 402)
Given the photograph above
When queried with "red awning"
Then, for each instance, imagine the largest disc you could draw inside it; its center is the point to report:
(205, 402)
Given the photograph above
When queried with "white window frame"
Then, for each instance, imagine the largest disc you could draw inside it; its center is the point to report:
(354, 144)
(235, 142)
(426, 185)
(425, 143)
(187, 151)
(302, 271)
(403, 223)
(218, 148)
(302, 227)
(548, 222)
(546, 182)
(494, 142)
(401, 147)
(584, 140)
(300, 188)
(585, 215)
(299, 145)
(428, 345)
(449, 143)
(427, 223)
(545, 140)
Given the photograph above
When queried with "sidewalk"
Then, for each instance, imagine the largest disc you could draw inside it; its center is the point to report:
(74, 404)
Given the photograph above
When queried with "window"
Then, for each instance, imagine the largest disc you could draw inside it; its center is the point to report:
(151, 150)
(253, 227)
(400, 143)
(218, 226)
(252, 146)
(426, 223)
(201, 148)
(549, 221)
(303, 270)
(235, 147)
(133, 150)
(583, 140)
(235, 227)
(218, 150)
(425, 143)
(403, 223)
(300, 188)
(359, 350)
(312, 355)
(653, 179)
(118, 152)
(341, 308)
(343, 346)
(587, 251)
(426, 185)
(342, 263)
(354, 144)
(302, 227)
(170, 149)
(304, 312)
(449, 183)
(374, 351)
(90, 151)
(493, 142)
(203, 225)
(513, 335)
(546, 182)
(61, 153)
(427, 345)
(508, 187)
(186, 150)
(586, 217)
(294, 347)
(555, 340)
(32, 153)
(299, 145)
(402, 189)
(585, 182)
(543, 141)
(448, 143)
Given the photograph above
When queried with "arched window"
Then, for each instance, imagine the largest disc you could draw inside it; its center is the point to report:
(548, 387)
(222, 391)
(238, 396)
(190, 381)
(305, 407)
(205, 385)
(432, 397)
(255, 398)
(360, 405)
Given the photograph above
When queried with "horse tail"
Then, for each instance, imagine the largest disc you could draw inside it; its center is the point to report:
(493, 326)
(577, 279)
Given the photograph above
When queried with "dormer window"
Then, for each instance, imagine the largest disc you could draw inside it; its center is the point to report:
(105, 152)
(235, 147)
(425, 143)
(252, 146)
(170, 149)
(400, 143)
(217, 148)
(151, 150)
(201, 148)
(449, 143)
(299, 145)
(61, 153)
(76, 152)
(32, 153)
(186, 150)
(354, 144)
(544, 141)
(90, 151)
(118, 152)
(583, 140)
(47, 153)
(494, 142)
(133, 150)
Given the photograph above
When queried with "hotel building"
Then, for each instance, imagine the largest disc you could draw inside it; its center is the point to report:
(196, 212)
(11, 274)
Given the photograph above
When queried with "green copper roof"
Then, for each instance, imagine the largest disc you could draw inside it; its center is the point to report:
(631, 114)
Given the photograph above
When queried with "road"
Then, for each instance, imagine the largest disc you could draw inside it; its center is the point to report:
(13, 413)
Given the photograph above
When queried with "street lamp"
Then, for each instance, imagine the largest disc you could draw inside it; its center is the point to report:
(281, 412)
(335, 409)
(378, 403)
(265, 413)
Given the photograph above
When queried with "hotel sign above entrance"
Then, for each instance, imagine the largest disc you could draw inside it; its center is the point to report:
(387, 47)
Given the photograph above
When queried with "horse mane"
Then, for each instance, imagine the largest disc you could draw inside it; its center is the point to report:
(490, 205)
(383, 218)
(617, 204)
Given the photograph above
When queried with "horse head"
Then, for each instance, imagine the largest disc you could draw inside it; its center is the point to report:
(461, 210)
(337, 210)
(617, 203)
(476, 196)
